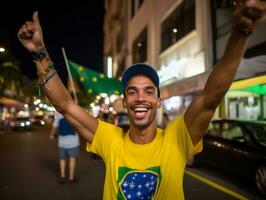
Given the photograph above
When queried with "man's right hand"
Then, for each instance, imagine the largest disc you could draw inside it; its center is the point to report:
(30, 34)
(249, 14)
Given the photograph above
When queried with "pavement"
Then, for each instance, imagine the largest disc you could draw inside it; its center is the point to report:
(29, 169)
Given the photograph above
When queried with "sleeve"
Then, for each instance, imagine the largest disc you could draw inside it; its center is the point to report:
(105, 138)
(179, 131)
(56, 121)
(57, 118)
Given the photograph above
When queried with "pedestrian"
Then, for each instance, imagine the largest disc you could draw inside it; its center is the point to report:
(68, 147)
(147, 162)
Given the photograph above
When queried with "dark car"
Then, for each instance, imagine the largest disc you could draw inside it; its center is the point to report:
(21, 123)
(38, 120)
(123, 121)
(237, 146)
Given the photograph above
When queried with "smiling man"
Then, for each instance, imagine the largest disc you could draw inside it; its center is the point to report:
(146, 162)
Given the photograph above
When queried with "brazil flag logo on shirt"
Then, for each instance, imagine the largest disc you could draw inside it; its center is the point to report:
(138, 184)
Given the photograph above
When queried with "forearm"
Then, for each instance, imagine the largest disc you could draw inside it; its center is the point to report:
(53, 132)
(225, 70)
(53, 88)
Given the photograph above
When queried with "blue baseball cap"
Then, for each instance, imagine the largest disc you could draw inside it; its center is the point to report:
(141, 69)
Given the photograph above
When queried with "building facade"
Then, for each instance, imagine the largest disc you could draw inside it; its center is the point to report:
(182, 39)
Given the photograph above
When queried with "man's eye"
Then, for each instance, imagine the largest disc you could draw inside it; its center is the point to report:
(131, 92)
(150, 92)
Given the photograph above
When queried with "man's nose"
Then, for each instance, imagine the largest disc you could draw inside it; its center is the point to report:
(141, 96)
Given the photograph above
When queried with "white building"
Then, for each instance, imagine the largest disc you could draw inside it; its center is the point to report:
(177, 37)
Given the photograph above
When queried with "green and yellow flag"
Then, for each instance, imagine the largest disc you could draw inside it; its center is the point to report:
(94, 82)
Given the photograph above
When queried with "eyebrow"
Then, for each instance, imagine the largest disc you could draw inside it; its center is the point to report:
(131, 88)
(150, 87)
(135, 88)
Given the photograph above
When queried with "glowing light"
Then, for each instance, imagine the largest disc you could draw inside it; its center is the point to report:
(109, 67)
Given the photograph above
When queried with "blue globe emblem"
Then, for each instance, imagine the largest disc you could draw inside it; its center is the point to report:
(139, 185)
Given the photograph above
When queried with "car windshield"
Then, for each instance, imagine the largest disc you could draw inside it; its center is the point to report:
(259, 132)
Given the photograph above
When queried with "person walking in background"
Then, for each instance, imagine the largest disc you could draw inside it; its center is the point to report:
(68, 146)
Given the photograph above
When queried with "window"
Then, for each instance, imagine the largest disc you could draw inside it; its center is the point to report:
(135, 5)
(140, 3)
(220, 4)
(232, 132)
(258, 131)
(180, 22)
(214, 129)
(132, 8)
(119, 41)
(140, 47)
(225, 130)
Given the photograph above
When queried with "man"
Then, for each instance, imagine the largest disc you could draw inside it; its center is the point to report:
(147, 162)
(68, 147)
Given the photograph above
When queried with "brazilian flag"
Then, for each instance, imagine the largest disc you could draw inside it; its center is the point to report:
(94, 82)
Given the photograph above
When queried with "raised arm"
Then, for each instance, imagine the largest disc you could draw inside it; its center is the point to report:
(31, 37)
(248, 14)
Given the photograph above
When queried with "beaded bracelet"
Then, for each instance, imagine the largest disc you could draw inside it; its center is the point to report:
(39, 55)
(46, 70)
(243, 30)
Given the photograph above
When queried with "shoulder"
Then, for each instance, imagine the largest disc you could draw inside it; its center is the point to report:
(177, 122)
(105, 127)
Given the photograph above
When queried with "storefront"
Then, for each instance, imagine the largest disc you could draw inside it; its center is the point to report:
(177, 96)
(246, 99)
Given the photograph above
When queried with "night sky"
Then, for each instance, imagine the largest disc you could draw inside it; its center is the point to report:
(75, 25)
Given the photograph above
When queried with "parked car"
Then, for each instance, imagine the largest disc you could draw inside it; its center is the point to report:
(21, 123)
(123, 121)
(38, 120)
(237, 146)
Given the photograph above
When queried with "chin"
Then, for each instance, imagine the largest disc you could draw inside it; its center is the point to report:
(142, 124)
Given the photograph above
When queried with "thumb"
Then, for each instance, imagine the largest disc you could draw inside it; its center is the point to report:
(35, 19)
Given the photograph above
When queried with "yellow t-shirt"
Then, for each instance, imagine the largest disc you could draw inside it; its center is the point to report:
(144, 171)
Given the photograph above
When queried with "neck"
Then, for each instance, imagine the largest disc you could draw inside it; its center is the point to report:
(142, 135)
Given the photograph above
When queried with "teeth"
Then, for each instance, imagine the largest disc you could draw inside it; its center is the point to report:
(141, 110)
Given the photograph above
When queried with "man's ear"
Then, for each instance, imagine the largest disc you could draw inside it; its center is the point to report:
(124, 103)
(159, 103)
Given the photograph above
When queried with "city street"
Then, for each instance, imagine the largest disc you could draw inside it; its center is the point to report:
(29, 170)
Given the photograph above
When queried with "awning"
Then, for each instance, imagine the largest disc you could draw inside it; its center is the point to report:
(258, 80)
(196, 83)
(186, 86)
(254, 84)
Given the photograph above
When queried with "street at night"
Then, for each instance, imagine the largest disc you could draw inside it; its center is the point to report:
(29, 170)
(133, 99)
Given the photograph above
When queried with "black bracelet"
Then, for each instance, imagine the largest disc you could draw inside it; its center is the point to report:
(49, 77)
(245, 31)
(39, 55)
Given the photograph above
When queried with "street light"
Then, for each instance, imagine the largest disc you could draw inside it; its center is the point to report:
(2, 49)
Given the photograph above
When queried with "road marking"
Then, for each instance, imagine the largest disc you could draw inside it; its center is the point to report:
(215, 185)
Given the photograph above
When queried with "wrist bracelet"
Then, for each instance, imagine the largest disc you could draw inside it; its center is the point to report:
(39, 55)
(243, 30)
(49, 77)
(41, 84)
(46, 70)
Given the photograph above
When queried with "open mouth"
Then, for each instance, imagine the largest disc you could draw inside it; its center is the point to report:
(140, 112)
